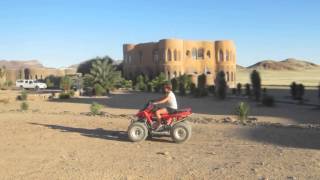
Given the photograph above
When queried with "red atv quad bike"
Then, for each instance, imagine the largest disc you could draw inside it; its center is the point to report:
(173, 124)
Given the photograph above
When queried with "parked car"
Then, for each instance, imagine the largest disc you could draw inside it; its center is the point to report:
(30, 84)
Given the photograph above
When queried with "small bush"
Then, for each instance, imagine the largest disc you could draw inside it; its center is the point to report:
(300, 92)
(192, 88)
(64, 95)
(99, 90)
(234, 91)
(174, 84)
(256, 84)
(221, 84)
(212, 89)
(248, 90)
(24, 106)
(293, 90)
(239, 89)
(95, 108)
(140, 83)
(268, 100)
(23, 96)
(243, 111)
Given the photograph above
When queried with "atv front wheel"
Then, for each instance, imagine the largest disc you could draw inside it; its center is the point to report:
(180, 132)
(137, 132)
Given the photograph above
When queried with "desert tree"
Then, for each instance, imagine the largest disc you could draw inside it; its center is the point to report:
(174, 84)
(104, 73)
(239, 89)
(85, 67)
(248, 90)
(293, 90)
(66, 83)
(221, 85)
(256, 84)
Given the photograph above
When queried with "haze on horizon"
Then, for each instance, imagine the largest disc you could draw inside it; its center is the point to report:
(61, 33)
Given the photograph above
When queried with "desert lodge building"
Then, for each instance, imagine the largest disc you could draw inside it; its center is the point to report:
(176, 57)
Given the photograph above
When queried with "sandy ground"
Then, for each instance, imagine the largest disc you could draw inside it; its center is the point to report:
(54, 140)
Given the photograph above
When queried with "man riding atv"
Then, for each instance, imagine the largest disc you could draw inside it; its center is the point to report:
(172, 106)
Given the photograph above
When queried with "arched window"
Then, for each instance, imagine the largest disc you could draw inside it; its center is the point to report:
(227, 55)
(155, 55)
(169, 75)
(169, 55)
(175, 55)
(208, 54)
(221, 55)
(232, 77)
(228, 77)
(140, 56)
(194, 53)
(129, 59)
(230, 56)
(200, 54)
(175, 74)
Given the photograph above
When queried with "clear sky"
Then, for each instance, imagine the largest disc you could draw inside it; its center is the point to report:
(64, 32)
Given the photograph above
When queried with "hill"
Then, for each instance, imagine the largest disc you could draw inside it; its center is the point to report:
(287, 64)
(15, 64)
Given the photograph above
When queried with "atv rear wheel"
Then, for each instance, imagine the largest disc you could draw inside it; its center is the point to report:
(137, 132)
(180, 132)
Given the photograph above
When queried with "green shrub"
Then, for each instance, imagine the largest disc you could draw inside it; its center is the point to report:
(24, 106)
(268, 100)
(221, 85)
(239, 89)
(234, 91)
(71, 93)
(212, 89)
(23, 96)
(201, 90)
(192, 88)
(66, 83)
(300, 92)
(95, 108)
(243, 111)
(184, 84)
(99, 90)
(140, 84)
(256, 84)
(64, 95)
(127, 84)
(174, 84)
(158, 82)
(49, 83)
(248, 90)
(293, 90)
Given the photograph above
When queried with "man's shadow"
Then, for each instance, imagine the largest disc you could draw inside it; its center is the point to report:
(97, 133)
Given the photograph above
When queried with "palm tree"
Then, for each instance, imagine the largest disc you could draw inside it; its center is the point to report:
(104, 73)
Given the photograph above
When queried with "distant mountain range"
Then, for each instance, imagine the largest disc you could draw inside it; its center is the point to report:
(287, 64)
(16, 64)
